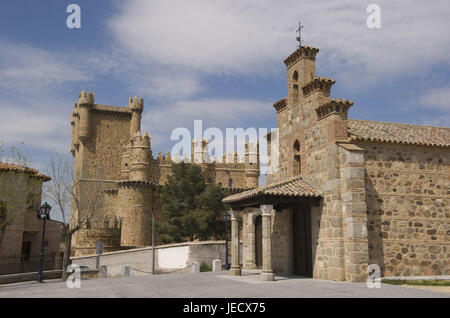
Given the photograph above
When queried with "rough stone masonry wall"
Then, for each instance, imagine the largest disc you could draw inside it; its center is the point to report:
(282, 242)
(110, 132)
(135, 206)
(408, 199)
(354, 208)
(320, 166)
(322, 169)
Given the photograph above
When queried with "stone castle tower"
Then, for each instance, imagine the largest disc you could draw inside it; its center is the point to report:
(110, 153)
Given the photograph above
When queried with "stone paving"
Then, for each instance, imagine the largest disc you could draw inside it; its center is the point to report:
(212, 285)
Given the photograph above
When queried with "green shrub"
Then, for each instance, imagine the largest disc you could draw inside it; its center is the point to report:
(429, 282)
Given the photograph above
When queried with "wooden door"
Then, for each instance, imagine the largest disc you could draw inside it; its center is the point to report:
(258, 241)
(301, 222)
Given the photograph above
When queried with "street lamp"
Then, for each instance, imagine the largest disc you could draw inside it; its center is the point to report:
(227, 220)
(43, 214)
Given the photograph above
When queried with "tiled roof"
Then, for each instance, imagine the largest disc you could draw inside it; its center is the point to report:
(291, 187)
(4, 166)
(398, 133)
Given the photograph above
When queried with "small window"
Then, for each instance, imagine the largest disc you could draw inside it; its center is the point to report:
(230, 183)
(296, 147)
(296, 169)
(295, 80)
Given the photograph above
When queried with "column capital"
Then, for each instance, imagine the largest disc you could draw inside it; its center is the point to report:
(266, 210)
(234, 214)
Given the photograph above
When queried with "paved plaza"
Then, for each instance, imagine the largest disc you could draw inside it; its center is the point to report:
(211, 285)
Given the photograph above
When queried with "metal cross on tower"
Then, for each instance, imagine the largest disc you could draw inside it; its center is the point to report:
(299, 31)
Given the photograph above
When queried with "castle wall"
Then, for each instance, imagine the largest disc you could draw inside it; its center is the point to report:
(114, 166)
(408, 199)
(103, 149)
(135, 206)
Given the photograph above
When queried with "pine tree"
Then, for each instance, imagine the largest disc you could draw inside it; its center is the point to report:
(190, 208)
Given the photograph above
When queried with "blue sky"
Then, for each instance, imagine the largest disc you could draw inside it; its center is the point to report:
(220, 61)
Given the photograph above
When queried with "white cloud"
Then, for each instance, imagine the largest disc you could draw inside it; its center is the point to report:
(33, 109)
(26, 68)
(437, 98)
(443, 121)
(217, 112)
(223, 37)
(220, 113)
(167, 85)
(38, 124)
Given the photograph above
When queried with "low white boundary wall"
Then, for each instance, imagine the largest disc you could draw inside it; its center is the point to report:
(168, 258)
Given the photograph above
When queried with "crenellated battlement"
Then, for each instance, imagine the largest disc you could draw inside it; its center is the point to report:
(135, 104)
(280, 105)
(303, 51)
(318, 83)
(86, 99)
(335, 106)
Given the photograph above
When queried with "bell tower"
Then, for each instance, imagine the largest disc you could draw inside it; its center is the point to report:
(301, 69)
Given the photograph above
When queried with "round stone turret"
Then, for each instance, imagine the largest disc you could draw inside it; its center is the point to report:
(251, 160)
(140, 158)
(84, 105)
(136, 107)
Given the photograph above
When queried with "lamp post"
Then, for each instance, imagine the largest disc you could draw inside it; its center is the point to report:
(227, 220)
(43, 214)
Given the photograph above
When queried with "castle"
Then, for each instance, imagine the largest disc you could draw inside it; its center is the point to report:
(346, 194)
(111, 153)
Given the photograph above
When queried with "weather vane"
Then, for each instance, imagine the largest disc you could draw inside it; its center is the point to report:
(299, 31)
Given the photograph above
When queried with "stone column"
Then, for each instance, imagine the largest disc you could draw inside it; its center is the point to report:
(267, 272)
(249, 237)
(355, 214)
(235, 269)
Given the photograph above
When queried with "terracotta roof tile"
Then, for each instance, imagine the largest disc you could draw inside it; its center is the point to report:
(4, 166)
(291, 187)
(398, 133)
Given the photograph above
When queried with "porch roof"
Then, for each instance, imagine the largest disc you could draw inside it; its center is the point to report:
(294, 187)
